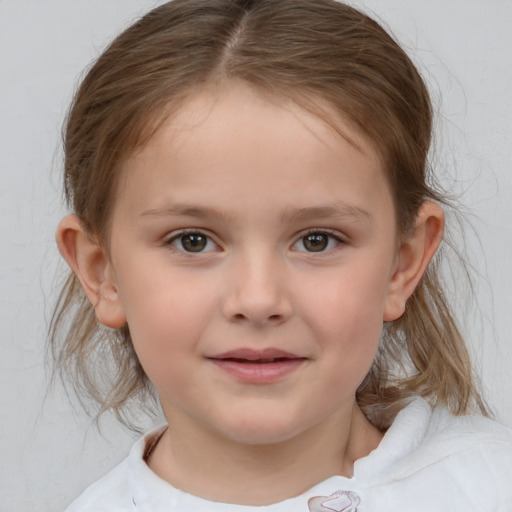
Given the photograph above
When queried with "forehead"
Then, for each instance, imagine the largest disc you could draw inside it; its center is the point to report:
(236, 101)
(225, 142)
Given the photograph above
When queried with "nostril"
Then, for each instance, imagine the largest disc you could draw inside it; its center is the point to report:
(253, 306)
(270, 318)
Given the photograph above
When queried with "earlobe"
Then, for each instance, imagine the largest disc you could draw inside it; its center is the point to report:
(91, 265)
(414, 255)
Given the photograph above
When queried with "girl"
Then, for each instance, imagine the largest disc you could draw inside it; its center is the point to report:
(253, 237)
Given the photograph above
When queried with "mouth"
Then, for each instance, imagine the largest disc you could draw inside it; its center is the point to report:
(258, 366)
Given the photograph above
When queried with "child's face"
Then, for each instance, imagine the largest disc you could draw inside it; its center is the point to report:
(247, 230)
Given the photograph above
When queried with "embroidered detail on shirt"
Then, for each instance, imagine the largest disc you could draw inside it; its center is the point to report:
(340, 501)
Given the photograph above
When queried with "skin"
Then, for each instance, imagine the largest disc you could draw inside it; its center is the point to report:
(254, 176)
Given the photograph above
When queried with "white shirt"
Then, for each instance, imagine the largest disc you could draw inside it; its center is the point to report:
(428, 461)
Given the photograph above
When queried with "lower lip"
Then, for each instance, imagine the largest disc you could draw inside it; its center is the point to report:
(259, 372)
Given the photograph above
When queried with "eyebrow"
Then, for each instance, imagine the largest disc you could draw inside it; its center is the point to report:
(337, 210)
(186, 210)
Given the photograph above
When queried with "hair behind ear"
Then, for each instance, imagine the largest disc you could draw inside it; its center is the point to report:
(421, 353)
(97, 362)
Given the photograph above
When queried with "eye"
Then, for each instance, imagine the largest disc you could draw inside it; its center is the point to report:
(193, 242)
(317, 241)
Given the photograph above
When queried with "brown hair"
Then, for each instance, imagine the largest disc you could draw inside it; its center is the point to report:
(315, 52)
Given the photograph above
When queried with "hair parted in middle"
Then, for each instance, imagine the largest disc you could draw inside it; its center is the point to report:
(329, 59)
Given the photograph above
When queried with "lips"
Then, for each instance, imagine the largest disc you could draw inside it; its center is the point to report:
(258, 366)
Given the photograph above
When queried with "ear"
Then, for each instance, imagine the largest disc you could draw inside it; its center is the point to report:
(91, 265)
(413, 257)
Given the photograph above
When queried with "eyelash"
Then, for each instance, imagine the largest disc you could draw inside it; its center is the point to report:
(331, 235)
(182, 234)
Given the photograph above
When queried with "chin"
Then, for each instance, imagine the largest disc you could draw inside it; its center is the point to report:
(262, 431)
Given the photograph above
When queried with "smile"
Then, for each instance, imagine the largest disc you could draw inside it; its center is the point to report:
(258, 366)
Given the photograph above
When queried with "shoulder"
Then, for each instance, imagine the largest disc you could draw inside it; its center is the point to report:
(437, 430)
(110, 493)
(474, 434)
(114, 492)
(466, 455)
(477, 456)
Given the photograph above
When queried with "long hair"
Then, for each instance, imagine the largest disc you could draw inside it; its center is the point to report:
(328, 58)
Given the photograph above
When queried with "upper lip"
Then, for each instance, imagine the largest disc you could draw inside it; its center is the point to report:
(249, 354)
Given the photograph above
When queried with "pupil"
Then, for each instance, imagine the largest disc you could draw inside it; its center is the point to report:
(316, 243)
(193, 243)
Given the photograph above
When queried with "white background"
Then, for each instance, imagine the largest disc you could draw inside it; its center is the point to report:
(49, 451)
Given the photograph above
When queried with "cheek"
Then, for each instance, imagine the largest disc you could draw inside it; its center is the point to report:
(166, 315)
(344, 315)
(345, 301)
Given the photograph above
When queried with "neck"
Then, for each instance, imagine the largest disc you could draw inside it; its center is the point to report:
(206, 464)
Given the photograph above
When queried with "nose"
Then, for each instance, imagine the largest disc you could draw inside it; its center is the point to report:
(257, 292)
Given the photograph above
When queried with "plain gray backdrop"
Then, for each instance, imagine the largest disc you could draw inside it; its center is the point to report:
(50, 451)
